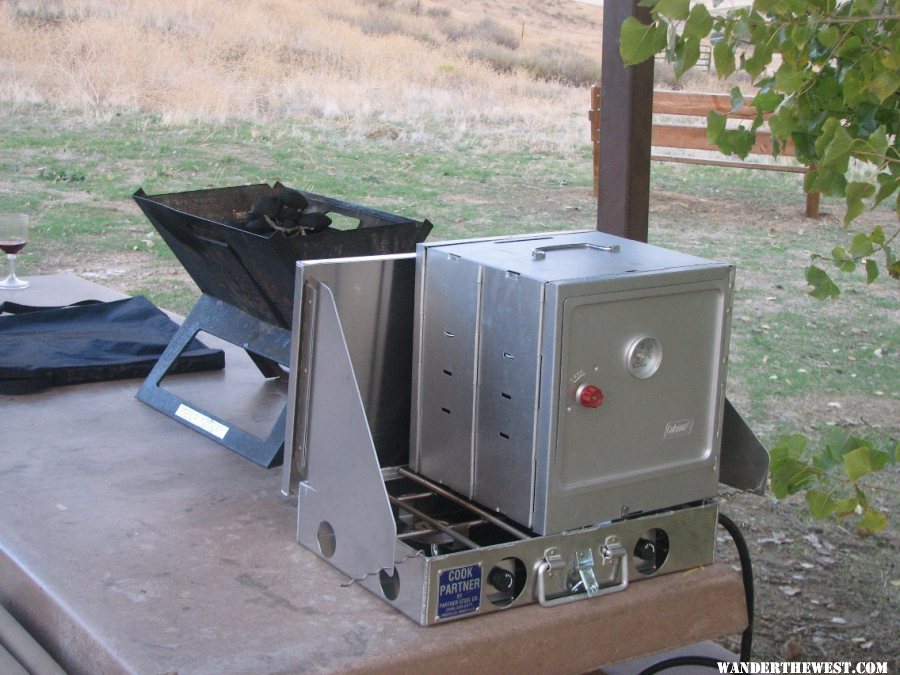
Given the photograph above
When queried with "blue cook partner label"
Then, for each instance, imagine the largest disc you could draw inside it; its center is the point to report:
(459, 591)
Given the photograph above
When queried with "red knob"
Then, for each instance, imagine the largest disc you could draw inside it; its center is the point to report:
(590, 396)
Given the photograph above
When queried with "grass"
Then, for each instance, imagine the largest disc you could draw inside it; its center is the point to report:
(785, 345)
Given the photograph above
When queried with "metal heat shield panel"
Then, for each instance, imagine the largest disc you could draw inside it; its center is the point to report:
(447, 312)
(374, 296)
(508, 375)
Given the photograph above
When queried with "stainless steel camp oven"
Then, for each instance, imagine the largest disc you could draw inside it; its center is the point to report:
(428, 551)
(565, 401)
(570, 379)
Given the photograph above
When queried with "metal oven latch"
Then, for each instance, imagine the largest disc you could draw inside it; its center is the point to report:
(582, 579)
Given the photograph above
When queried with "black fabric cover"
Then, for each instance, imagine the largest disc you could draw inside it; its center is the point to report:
(91, 341)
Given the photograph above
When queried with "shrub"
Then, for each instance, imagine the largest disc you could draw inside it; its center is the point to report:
(489, 30)
(485, 31)
(559, 65)
(453, 30)
(500, 59)
(380, 4)
(40, 12)
(378, 23)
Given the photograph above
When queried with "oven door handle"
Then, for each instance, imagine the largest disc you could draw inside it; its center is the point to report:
(540, 252)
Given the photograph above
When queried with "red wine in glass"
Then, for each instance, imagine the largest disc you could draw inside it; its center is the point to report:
(13, 237)
(12, 246)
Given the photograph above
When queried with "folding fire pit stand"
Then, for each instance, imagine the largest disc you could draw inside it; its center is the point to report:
(247, 282)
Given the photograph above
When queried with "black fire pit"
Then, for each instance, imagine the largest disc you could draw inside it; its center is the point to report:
(241, 245)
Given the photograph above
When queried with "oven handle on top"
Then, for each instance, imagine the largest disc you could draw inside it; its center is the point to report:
(540, 252)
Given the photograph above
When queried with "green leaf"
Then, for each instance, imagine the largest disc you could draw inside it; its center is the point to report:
(672, 9)
(887, 187)
(757, 63)
(699, 23)
(820, 504)
(715, 126)
(851, 48)
(842, 260)
(789, 477)
(872, 521)
(854, 89)
(840, 443)
(845, 507)
(723, 57)
(825, 180)
(861, 246)
(871, 271)
(837, 153)
(878, 141)
(855, 194)
(738, 141)
(822, 285)
(801, 34)
(894, 269)
(863, 461)
(788, 79)
(792, 446)
(865, 126)
(783, 124)
(686, 55)
(829, 36)
(767, 100)
(736, 98)
(884, 84)
(638, 42)
(826, 134)
(877, 236)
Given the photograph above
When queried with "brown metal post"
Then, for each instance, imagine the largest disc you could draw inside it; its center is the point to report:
(626, 108)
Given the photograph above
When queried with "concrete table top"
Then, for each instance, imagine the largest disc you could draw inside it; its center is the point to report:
(130, 543)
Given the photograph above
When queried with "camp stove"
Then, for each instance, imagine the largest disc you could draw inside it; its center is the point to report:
(492, 423)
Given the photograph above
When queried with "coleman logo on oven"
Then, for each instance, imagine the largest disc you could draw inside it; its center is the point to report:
(679, 428)
(459, 591)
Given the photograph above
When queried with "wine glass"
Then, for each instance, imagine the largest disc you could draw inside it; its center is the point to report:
(13, 237)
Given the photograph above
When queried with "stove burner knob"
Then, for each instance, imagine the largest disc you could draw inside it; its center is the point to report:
(589, 396)
(501, 579)
(645, 550)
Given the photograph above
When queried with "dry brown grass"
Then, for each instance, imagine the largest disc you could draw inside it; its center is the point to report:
(373, 61)
(509, 73)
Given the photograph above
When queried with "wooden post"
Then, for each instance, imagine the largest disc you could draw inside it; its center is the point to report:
(812, 204)
(623, 203)
(812, 201)
(594, 117)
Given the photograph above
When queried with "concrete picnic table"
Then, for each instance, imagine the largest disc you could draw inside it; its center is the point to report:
(130, 543)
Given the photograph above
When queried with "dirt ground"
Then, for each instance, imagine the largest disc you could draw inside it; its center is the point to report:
(823, 592)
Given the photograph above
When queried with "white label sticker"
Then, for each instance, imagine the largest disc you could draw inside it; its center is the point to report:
(198, 419)
(679, 428)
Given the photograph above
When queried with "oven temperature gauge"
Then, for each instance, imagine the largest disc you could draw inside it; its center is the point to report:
(643, 357)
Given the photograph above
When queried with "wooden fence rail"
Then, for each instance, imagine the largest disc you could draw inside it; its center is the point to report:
(697, 105)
